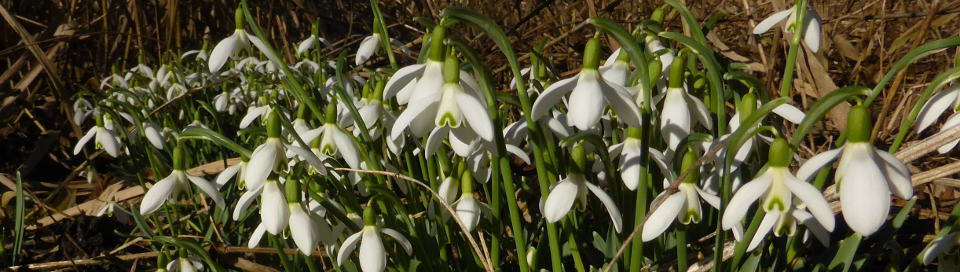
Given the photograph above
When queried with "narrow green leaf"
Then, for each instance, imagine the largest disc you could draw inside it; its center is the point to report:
(215, 137)
(821, 108)
(904, 213)
(19, 225)
(689, 20)
(749, 127)
(846, 252)
(911, 57)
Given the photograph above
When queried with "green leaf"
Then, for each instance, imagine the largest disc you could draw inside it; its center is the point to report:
(904, 213)
(689, 20)
(629, 44)
(748, 127)
(939, 82)
(821, 108)
(751, 263)
(910, 58)
(19, 225)
(215, 137)
(846, 252)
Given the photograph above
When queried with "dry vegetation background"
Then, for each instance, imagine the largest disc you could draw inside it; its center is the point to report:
(50, 49)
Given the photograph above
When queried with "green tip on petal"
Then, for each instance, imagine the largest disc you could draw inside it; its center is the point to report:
(436, 43)
(859, 125)
(780, 153)
(690, 160)
(635, 133)
(676, 71)
(330, 115)
(273, 125)
(451, 69)
(591, 54)
(369, 215)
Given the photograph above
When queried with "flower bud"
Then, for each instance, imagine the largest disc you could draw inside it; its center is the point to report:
(690, 160)
(292, 190)
(451, 69)
(273, 125)
(238, 18)
(330, 116)
(369, 215)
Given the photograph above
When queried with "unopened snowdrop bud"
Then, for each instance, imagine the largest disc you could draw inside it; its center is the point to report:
(451, 69)
(677, 71)
(238, 18)
(467, 208)
(591, 54)
(437, 50)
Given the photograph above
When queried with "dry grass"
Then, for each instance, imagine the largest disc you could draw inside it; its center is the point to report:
(81, 41)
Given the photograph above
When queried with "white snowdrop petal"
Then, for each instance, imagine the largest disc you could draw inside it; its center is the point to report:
(662, 216)
(813, 199)
(560, 200)
(770, 21)
(769, 220)
(402, 240)
(608, 202)
(208, 188)
(551, 96)
(935, 107)
(816, 163)
(744, 198)
(158, 194)
(372, 253)
(347, 247)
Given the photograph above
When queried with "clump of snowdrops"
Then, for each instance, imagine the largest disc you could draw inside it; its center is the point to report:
(662, 156)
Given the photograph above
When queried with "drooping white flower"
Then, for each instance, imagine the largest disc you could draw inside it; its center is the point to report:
(680, 109)
(232, 45)
(811, 25)
(335, 142)
(935, 107)
(590, 94)
(154, 134)
(939, 248)
(575, 187)
(368, 46)
(177, 182)
(683, 204)
(865, 177)
(616, 68)
(185, 264)
(629, 151)
(777, 186)
(372, 253)
(310, 43)
(106, 139)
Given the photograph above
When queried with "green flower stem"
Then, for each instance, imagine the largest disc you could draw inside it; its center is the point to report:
(681, 234)
(572, 240)
(741, 247)
(786, 84)
(278, 244)
(380, 27)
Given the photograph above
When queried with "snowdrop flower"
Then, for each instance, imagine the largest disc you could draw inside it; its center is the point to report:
(629, 152)
(185, 264)
(311, 42)
(232, 171)
(458, 114)
(106, 139)
(81, 110)
(239, 41)
(575, 187)
(368, 46)
(272, 154)
(334, 141)
(749, 104)
(304, 227)
(419, 81)
(616, 68)
(372, 253)
(221, 101)
(865, 176)
(154, 134)
(936, 106)
(942, 247)
(589, 93)
(177, 182)
(682, 203)
(678, 106)
(811, 25)
(777, 186)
